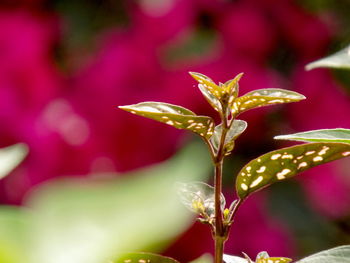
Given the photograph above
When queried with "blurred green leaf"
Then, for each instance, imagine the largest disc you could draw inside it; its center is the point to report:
(335, 255)
(237, 128)
(173, 115)
(324, 135)
(200, 198)
(143, 258)
(341, 59)
(13, 234)
(205, 258)
(284, 163)
(264, 97)
(10, 157)
(80, 222)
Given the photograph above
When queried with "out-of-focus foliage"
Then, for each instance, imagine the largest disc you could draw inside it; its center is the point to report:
(341, 59)
(323, 135)
(334, 255)
(93, 221)
(10, 157)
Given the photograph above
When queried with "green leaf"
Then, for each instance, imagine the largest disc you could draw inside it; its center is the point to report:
(263, 257)
(324, 135)
(199, 198)
(274, 260)
(208, 84)
(90, 221)
(213, 101)
(335, 255)
(13, 234)
(142, 257)
(237, 128)
(205, 258)
(284, 163)
(173, 115)
(234, 259)
(264, 97)
(10, 157)
(232, 88)
(341, 59)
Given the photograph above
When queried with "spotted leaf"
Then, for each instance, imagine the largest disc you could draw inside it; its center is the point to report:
(324, 135)
(213, 101)
(143, 258)
(199, 198)
(263, 257)
(237, 128)
(206, 83)
(340, 59)
(264, 97)
(173, 115)
(274, 260)
(284, 163)
(232, 86)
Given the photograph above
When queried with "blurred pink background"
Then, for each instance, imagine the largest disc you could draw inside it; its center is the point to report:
(65, 67)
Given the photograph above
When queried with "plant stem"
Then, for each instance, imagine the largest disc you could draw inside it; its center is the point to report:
(219, 249)
(218, 189)
(220, 231)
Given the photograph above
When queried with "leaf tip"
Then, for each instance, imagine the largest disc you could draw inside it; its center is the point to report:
(124, 107)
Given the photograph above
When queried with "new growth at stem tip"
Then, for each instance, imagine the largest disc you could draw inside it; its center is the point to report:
(207, 201)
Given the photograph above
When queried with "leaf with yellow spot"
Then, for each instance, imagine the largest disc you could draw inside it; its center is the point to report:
(199, 198)
(263, 257)
(208, 84)
(142, 257)
(284, 163)
(213, 101)
(219, 96)
(231, 88)
(236, 129)
(323, 135)
(274, 260)
(264, 97)
(173, 115)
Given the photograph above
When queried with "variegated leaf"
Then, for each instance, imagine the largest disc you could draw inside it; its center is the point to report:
(237, 128)
(263, 257)
(274, 260)
(213, 101)
(208, 84)
(142, 257)
(231, 88)
(264, 97)
(173, 115)
(323, 135)
(199, 198)
(284, 163)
